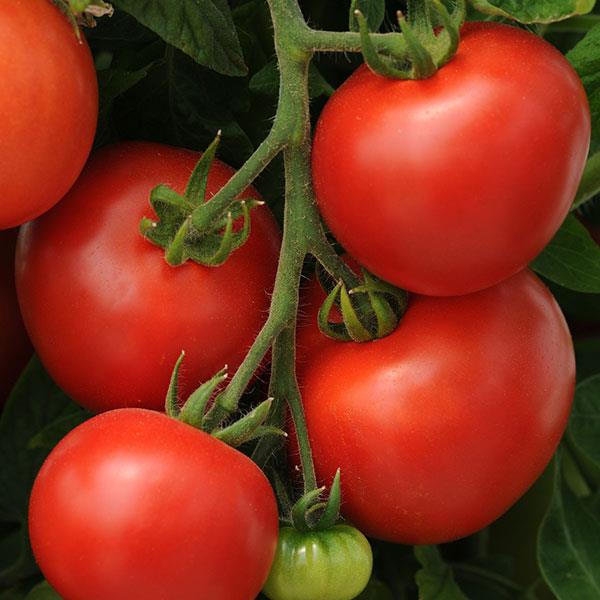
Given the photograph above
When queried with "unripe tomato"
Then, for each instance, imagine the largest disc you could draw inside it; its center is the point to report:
(448, 185)
(134, 505)
(48, 108)
(333, 564)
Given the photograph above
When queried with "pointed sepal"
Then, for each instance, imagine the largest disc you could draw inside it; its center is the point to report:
(249, 427)
(312, 511)
(369, 311)
(194, 409)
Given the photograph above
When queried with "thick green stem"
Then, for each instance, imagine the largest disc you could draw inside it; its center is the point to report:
(286, 386)
(589, 185)
(207, 214)
(349, 41)
(303, 231)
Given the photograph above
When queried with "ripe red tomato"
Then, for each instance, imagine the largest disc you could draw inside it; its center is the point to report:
(105, 312)
(133, 504)
(48, 108)
(441, 426)
(451, 184)
(15, 349)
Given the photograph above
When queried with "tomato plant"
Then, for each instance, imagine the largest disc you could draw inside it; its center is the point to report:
(49, 108)
(451, 184)
(130, 505)
(456, 153)
(334, 564)
(84, 267)
(440, 427)
(15, 348)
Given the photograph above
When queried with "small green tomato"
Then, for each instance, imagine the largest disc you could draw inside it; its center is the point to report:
(333, 564)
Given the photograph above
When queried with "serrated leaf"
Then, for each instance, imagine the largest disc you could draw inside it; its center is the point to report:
(534, 11)
(585, 58)
(571, 259)
(584, 423)
(43, 591)
(569, 545)
(435, 579)
(34, 403)
(202, 102)
(203, 29)
(373, 10)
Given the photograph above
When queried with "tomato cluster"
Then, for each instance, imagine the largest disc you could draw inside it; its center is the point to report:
(438, 428)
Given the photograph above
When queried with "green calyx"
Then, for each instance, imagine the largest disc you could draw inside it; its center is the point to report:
(369, 311)
(312, 512)
(430, 34)
(194, 410)
(180, 228)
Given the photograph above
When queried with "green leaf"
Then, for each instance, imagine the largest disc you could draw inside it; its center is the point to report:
(203, 29)
(265, 82)
(373, 10)
(113, 83)
(571, 259)
(569, 545)
(585, 58)
(534, 11)
(33, 405)
(435, 579)
(56, 431)
(584, 423)
(43, 591)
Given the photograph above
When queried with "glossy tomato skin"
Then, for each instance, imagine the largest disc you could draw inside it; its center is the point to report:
(333, 564)
(15, 348)
(449, 185)
(48, 108)
(440, 427)
(134, 505)
(105, 312)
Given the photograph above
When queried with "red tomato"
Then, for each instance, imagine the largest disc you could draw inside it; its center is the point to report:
(441, 426)
(105, 312)
(135, 505)
(15, 349)
(451, 184)
(48, 108)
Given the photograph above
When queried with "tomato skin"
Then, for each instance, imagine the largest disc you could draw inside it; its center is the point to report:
(105, 312)
(449, 185)
(48, 108)
(333, 564)
(15, 348)
(135, 505)
(440, 427)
